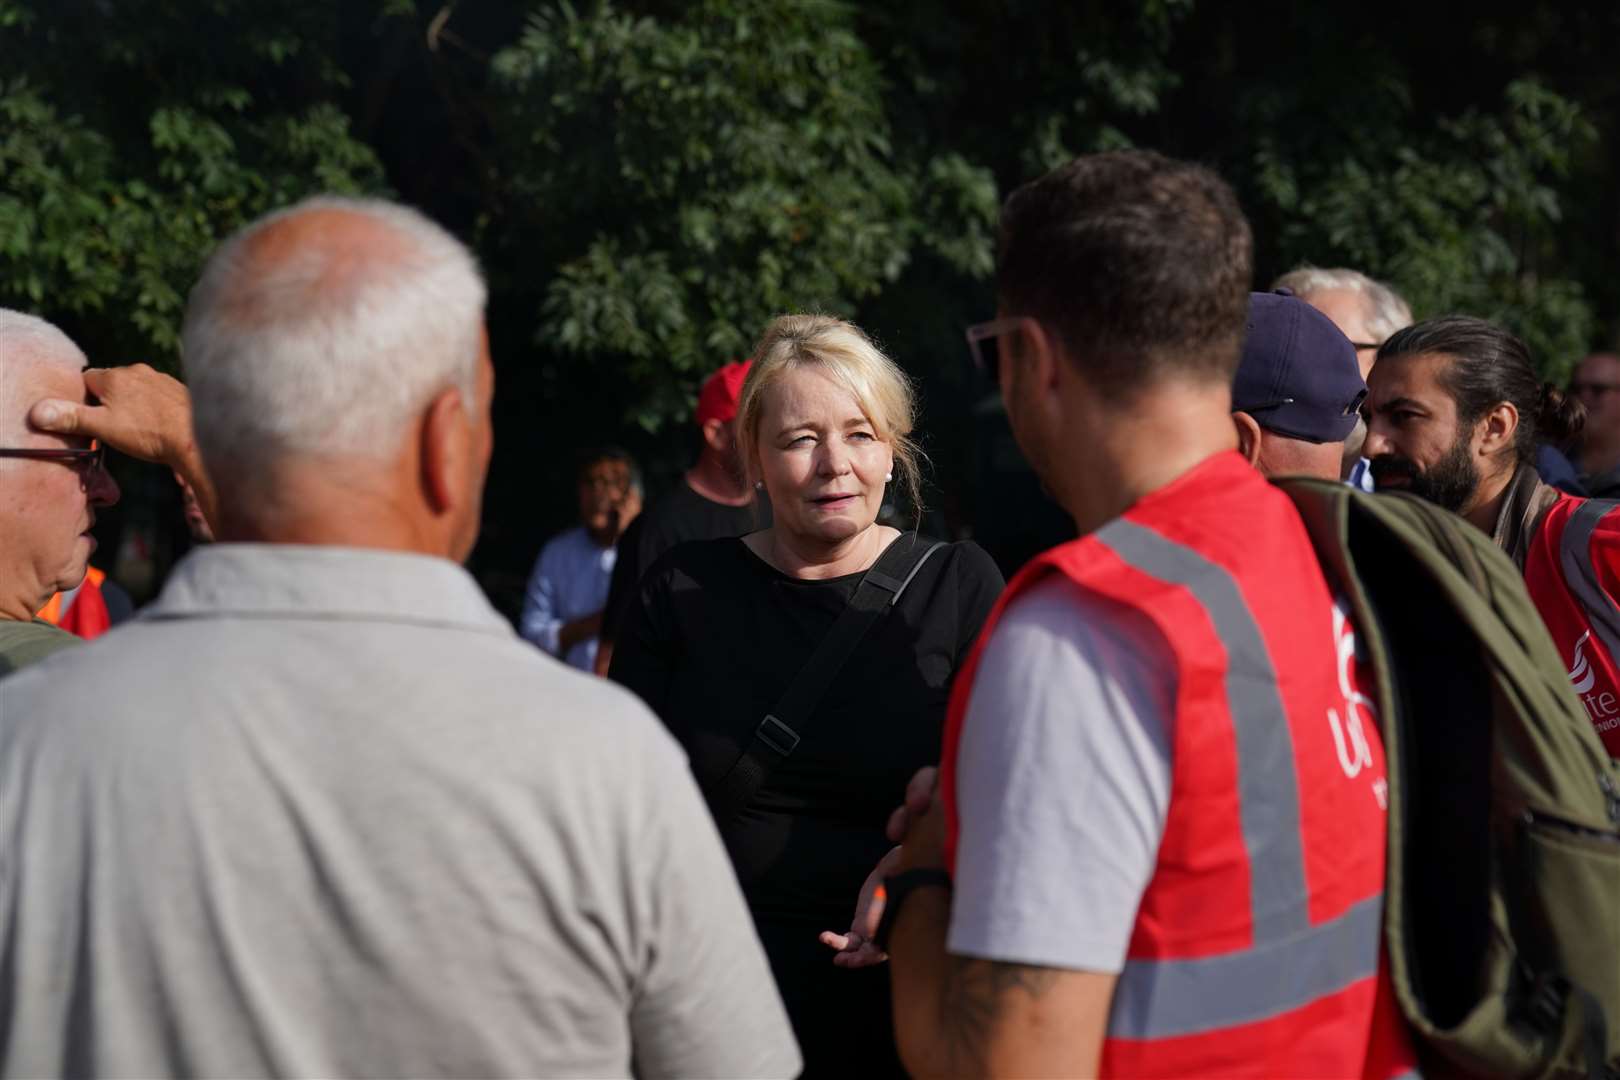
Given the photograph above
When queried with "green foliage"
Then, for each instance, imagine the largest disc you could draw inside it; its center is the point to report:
(121, 169)
(1463, 216)
(693, 176)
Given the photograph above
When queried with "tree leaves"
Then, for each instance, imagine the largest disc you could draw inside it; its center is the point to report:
(715, 169)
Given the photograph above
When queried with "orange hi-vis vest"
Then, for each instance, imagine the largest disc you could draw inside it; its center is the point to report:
(85, 613)
(1257, 944)
(1572, 572)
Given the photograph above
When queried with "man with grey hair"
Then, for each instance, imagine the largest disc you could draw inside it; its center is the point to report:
(50, 489)
(52, 478)
(1369, 313)
(343, 820)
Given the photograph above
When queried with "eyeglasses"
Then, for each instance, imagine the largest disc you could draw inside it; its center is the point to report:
(983, 342)
(1359, 345)
(1592, 389)
(87, 459)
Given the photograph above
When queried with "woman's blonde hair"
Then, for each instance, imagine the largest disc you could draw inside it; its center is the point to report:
(843, 353)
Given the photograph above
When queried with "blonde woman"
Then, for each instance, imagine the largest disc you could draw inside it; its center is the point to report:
(720, 629)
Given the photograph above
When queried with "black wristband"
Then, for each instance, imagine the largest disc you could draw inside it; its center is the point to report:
(895, 890)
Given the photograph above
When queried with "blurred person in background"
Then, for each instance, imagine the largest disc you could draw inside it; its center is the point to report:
(53, 477)
(1365, 311)
(1297, 393)
(1596, 385)
(562, 607)
(1456, 412)
(319, 811)
(720, 630)
(712, 501)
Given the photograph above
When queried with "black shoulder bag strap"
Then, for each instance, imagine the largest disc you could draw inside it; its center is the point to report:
(779, 733)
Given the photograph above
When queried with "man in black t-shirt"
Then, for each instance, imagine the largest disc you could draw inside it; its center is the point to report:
(712, 501)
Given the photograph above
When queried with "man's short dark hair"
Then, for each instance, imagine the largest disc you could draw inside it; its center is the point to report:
(1489, 366)
(1140, 265)
(598, 454)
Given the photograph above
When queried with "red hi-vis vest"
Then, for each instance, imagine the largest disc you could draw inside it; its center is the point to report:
(1572, 572)
(85, 611)
(1256, 949)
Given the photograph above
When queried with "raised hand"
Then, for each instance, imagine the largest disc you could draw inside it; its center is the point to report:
(855, 948)
(140, 412)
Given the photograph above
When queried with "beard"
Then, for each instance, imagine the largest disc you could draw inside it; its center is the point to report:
(1449, 483)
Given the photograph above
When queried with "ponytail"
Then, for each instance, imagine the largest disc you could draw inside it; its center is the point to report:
(1559, 418)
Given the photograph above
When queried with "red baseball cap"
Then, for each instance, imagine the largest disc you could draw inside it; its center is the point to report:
(718, 398)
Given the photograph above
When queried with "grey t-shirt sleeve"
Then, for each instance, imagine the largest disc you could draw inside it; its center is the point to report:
(705, 1003)
(1063, 782)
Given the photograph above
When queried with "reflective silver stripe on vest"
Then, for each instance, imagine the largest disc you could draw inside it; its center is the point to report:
(1268, 791)
(1580, 576)
(1160, 999)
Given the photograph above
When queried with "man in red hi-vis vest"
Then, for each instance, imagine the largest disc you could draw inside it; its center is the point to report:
(1156, 845)
(1456, 413)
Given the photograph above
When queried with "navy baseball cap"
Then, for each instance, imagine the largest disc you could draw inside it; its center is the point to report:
(1298, 376)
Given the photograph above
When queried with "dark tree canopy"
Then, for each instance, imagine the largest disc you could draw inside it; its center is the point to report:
(646, 182)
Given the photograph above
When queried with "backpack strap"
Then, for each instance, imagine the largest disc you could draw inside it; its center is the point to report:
(1581, 576)
(779, 733)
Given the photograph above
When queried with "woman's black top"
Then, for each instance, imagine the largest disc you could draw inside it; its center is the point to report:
(711, 643)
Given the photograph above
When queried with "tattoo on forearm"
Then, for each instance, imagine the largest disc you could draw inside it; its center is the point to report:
(975, 991)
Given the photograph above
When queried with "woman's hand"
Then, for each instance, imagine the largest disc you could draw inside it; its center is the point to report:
(855, 948)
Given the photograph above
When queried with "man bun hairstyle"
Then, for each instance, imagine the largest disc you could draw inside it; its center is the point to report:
(1560, 418)
(1489, 366)
(1139, 264)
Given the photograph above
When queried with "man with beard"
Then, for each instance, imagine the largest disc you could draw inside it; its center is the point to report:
(1455, 413)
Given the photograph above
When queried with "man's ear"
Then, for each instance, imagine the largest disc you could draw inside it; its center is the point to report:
(715, 435)
(445, 451)
(1041, 355)
(1495, 431)
(1249, 437)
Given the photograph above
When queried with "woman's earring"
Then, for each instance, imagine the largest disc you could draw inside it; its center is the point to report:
(889, 477)
(759, 485)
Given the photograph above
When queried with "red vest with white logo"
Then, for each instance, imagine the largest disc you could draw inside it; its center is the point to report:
(1256, 949)
(1572, 572)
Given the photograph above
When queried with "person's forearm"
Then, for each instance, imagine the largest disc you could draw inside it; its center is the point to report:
(920, 973)
(188, 464)
(578, 630)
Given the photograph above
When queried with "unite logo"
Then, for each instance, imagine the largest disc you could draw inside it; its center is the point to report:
(1581, 675)
(1349, 730)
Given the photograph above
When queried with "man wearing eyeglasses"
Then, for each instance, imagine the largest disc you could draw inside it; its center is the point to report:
(56, 420)
(50, 488)
(1597, 384)
(1143, 855)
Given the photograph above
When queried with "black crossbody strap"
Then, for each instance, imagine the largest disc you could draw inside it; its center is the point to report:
(779, 733)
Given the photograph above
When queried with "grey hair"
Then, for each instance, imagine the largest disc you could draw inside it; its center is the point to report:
(1386, 311)
(328, 350)
(28, 339)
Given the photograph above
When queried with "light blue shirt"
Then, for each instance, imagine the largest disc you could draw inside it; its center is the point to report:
(570, 581)
(1361, 476)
